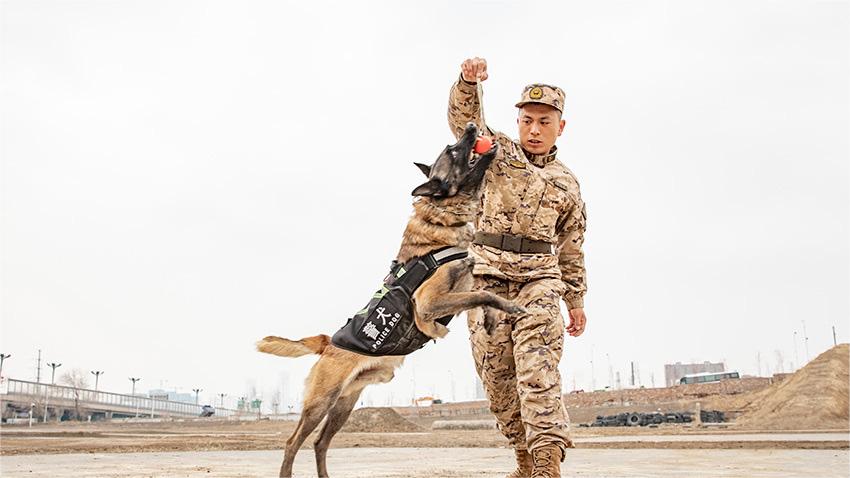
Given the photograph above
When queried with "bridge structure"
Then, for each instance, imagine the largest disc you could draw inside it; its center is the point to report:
(58, 401)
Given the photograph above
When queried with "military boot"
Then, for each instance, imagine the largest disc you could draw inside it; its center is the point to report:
(547, 462)
(524, 464)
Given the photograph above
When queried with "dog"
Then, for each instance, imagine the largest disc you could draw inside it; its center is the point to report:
(443, 209)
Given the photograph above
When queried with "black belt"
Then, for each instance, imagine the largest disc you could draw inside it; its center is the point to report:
(509, 242)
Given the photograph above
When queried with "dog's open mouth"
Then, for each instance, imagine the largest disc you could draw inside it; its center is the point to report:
(474, 157)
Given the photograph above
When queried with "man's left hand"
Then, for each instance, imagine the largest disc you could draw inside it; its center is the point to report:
(577, 322)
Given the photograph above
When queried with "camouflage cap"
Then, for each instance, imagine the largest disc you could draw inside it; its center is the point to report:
(543, 94)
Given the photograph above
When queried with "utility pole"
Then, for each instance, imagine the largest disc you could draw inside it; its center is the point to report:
(197, 391)
(413, 386)
(54, 366)
(834, 340)
(38, 368)
(806, 341)
(796, 360)
(633, 374)
(3, 357)
(97, 374)
(452, 380)
(610, 372)
(592, 372)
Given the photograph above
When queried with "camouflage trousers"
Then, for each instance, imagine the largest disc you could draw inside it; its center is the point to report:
(517, 361)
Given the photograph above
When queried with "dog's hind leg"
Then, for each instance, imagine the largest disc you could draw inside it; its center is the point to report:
(337, 416)
(313, 413)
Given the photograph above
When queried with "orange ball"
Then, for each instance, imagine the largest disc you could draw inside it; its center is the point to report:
(482, 144)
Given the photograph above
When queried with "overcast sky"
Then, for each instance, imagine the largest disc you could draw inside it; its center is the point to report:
(180, 179)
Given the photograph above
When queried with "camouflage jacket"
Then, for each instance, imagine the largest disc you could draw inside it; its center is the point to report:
(533, 196)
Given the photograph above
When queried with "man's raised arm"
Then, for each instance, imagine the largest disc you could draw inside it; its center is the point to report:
(463, 98)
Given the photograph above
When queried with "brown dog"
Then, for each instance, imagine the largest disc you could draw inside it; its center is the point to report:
(445, 206)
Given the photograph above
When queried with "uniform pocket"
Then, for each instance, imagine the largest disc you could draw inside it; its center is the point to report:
(552, 204)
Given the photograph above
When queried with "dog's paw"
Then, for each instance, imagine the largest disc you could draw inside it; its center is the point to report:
(432, 329)
(515, 309)
(489, 323)
(439, 331)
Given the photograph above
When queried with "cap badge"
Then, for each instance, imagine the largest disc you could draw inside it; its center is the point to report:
(536, 93)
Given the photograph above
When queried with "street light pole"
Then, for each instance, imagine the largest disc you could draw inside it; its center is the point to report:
(2, 358)
(133, 393)
(54, 366)
(97, 374)
(197, 391)
(134, 380)
(222, 395)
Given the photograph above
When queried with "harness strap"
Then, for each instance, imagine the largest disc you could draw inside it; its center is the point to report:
(449, 254)
(419, 269)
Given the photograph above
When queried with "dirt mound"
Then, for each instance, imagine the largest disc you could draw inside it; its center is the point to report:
(378, 420)
(816, 397)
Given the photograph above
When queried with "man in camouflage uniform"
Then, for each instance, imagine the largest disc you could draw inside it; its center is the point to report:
(529, 233)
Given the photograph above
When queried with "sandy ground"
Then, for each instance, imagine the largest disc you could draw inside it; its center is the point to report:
(435, 462)
(219, 448)
(214, 435)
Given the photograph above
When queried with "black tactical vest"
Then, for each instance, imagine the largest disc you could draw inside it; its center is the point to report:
(385, 326)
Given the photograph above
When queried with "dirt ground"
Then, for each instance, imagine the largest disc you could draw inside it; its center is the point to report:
(794, 427)
(212, 435)
(435, 462)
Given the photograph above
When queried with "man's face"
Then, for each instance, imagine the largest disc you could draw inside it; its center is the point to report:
(539, 127)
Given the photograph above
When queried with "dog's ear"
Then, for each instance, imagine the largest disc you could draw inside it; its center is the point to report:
(426, 170)
(428, 188)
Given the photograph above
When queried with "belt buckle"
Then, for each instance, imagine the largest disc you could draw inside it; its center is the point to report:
(512, 243)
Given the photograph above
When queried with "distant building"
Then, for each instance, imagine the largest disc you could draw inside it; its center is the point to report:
(673, 372)
(171, 396)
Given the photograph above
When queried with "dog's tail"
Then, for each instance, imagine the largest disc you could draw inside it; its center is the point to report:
(293, 348)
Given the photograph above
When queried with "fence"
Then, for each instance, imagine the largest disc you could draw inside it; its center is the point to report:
(47, 394)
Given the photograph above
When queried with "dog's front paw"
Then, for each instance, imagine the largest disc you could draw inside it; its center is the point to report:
(439, 331)
(432, 329)
(515, 309)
